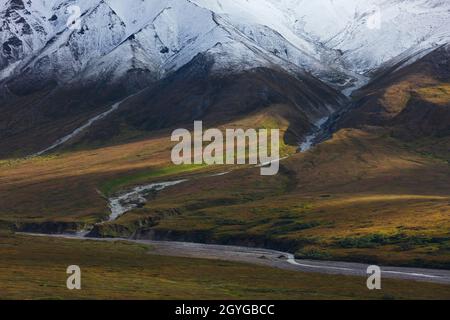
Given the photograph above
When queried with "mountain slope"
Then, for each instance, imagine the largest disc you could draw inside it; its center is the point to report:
(372, 32)
(217, 99)
(78, 74)
(159, 37)
(413, 101)
(54, 79)
(195, 92)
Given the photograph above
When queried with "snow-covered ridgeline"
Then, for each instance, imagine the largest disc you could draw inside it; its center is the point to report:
(331, 39)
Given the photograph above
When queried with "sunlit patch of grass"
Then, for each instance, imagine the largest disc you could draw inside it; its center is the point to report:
(115, 185)
(439, 94)
(15, 162)
(396, 97)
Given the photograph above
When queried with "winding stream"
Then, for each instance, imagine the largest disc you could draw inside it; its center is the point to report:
(129, 200)
(308, 143)
(270, 258)
(137, 197)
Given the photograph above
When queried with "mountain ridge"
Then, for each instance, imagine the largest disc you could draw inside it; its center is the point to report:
(281, 43)
(122, 48)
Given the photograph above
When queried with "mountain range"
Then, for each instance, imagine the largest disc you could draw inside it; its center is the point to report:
(360, 91)
(54, 77)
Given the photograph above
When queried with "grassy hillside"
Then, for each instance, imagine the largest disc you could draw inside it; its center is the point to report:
(376, 192)
(361, 196)
(71, 185)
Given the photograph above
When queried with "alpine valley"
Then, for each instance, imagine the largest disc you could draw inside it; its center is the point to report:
(360, 91)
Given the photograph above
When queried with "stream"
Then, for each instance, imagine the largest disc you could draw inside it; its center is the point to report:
(81, 129)
(137, 197)
(309, 140)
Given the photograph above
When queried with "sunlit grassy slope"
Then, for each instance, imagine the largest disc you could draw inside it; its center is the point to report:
(396, 97)
(35, 268)
(362, 196)
(72, 185)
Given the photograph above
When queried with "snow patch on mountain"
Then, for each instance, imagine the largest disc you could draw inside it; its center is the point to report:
(371, 32)
(329, 38)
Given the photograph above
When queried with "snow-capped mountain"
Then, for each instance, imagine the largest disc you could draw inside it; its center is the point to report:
(332, 39)
(388, 29)
(153, 36)
(195, 59)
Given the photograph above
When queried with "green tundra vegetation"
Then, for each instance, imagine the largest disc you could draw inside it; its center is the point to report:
(366, 195)
(35, 268)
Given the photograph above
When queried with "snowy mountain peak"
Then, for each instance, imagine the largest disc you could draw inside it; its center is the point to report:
(336, 40)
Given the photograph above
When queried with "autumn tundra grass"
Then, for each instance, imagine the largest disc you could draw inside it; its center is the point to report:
(35, 268)
(71, 184)
(361, 196)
